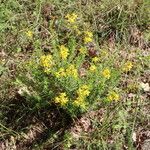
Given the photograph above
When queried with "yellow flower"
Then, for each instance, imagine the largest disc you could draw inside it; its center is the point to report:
(88, 34)
(83, 91)
(80, 102)
(60, 73)
(95, 59)
(82, 50)
(104, 53)
(127, 66)
(46, 61)
(61, 99)
(88, 37)
(72, 71)
(29, 34)
(113, 96)
(106, 73)
(71, 17)
(64, 52)
(87, 40)
(93, 68)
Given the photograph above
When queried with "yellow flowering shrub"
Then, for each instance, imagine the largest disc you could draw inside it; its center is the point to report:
(73, 75)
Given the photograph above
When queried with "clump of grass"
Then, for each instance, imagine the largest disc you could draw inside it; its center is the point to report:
(116, 19)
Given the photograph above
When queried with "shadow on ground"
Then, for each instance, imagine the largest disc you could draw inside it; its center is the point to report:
(34, 127)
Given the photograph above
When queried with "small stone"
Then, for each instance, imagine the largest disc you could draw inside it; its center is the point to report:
(146, 145)
(134, 136)
(145, 86)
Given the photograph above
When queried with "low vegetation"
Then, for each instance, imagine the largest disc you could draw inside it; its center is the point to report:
(74, 74)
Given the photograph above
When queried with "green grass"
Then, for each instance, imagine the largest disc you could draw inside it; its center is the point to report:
(31, 119)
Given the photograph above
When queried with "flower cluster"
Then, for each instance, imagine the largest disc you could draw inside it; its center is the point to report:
(88, 37)
(127, 66)
(46, 61)
(95, 59)
(71, 71)
(93, 68)
(64, 52)
(113, 96)
(62, 99)
(106, 73)
(82, 92)
(29, 34)
(60, 73)
(71, 17)
(83, 50)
